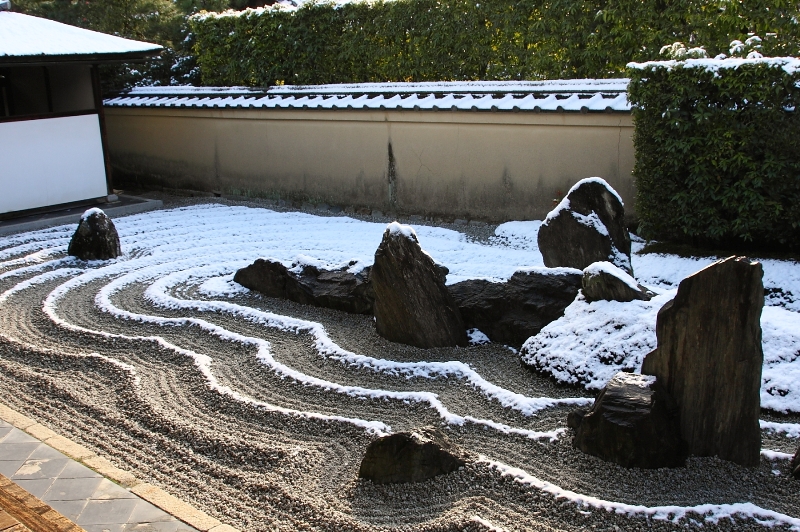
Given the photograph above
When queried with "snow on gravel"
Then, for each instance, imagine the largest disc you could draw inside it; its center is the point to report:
(204, 245)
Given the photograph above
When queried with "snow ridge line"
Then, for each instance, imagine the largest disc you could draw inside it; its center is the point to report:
(103, 301)
(710, 513)
(158, 294)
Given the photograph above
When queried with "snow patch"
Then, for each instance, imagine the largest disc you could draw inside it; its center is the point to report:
(90, 212)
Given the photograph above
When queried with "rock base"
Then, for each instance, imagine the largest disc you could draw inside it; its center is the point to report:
(633, 423)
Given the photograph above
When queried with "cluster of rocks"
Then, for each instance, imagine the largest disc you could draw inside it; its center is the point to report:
(405, 289)
(699, 392)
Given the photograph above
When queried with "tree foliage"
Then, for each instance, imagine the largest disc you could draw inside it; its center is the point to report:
(431, 40)
(717, 157)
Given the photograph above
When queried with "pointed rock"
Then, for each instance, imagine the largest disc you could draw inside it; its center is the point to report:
(411, 457)
(587, 226)
(633, 423)
(709, 359)
(95, 238)
(412, 305)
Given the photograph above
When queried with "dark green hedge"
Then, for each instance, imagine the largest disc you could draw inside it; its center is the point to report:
(717, 152)
(436, 40)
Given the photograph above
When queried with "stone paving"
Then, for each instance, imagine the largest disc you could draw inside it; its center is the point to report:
(83, 496)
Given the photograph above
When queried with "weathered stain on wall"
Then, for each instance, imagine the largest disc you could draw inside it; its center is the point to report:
(482, 165)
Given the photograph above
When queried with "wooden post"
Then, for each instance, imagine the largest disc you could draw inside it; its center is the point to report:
(98, 105)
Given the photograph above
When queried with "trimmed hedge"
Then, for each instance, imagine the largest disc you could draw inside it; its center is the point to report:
(439, 40)
(717, 151)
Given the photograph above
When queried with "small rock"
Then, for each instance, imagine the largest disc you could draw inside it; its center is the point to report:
(459, 221)
(633, 423)
(513, 311)
(95, 238)
(604, 281)
(377, 214)
(709, 358)
(412, 305)
(587, 226)
(795, 465)
(411, 457)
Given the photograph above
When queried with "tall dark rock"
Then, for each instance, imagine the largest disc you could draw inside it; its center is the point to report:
(412, 305)
(633, 422)
(709, 359)
(587, 226)
(95, 238)
(513, 311)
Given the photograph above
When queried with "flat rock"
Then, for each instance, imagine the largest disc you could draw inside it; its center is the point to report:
(587, 226)
(633, 423)
(709, 359)
(411, 457)
(604, 281)
(412, 305)
(513, 311)
(335, 289)
(95, 238)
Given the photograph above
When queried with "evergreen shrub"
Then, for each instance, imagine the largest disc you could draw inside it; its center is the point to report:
(440, 40)
(717, 151)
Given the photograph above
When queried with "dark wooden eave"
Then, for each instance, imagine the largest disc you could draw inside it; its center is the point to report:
(92, 59)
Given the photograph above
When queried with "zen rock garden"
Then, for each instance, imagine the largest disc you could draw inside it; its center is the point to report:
(698, 391)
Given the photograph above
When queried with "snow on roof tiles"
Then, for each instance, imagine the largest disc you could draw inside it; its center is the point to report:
(587, 95)
(26, 36)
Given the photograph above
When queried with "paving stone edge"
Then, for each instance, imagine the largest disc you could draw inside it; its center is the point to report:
(156, 496)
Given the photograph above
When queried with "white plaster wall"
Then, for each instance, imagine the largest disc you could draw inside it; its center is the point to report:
(50, 161)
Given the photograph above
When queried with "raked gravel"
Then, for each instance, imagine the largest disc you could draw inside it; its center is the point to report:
(258, 469)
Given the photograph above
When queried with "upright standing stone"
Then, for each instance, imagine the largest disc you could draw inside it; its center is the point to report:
(795, 466)
(709, 359)
(587, 226)
(95, 238)
(412, 305)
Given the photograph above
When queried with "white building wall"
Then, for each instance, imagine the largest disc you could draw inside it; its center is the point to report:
(50, 161)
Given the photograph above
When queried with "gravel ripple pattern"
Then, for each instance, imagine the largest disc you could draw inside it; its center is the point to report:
(258, 410)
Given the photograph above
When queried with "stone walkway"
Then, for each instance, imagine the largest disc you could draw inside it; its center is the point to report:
(81, 495)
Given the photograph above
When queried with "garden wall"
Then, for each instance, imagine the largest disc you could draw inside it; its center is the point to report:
(406, 156)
